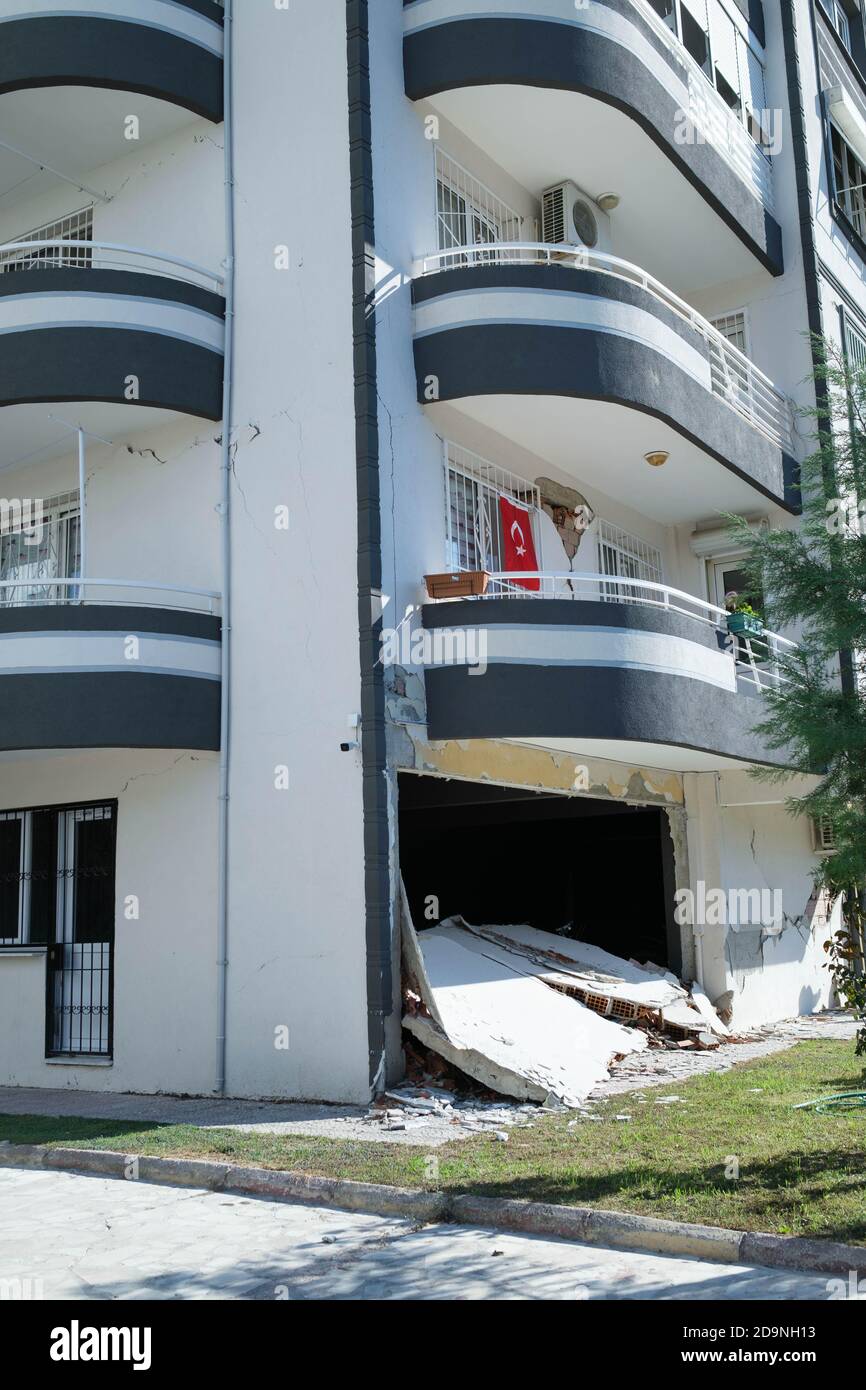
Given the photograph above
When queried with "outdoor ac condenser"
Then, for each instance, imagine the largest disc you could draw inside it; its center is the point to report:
(571, 218)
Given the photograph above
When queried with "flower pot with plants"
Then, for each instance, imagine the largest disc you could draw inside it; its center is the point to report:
(744, 621)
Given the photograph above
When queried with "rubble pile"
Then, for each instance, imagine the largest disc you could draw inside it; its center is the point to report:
(534, 1016)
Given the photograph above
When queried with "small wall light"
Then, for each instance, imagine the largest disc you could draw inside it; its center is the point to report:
(608, 201)
(657, 457)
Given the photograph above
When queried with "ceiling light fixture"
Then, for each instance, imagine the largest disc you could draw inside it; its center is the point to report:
(608, 201)
(657, 457)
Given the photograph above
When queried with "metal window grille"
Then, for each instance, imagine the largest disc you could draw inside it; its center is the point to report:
(76, 226)
(855, 346)
(468, 213)
(473, 520)
(40, 541)
(732, 328)
(626, 556)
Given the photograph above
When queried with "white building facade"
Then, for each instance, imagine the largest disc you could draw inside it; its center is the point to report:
(302, 306)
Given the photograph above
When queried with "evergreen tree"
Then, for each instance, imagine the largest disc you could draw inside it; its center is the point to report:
(814, 581)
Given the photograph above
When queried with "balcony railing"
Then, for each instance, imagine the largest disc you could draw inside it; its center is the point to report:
(712, 119)
(734, 378)
(60, 253)
(37, 591)
(756, 659)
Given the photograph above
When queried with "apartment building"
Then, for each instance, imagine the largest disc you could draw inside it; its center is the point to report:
(375, 381)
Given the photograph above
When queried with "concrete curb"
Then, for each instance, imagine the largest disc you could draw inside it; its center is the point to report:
(585, 1224)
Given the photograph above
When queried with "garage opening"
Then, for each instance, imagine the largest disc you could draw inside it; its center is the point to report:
(589, 869)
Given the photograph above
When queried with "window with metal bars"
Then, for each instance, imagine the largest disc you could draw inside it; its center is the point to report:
(76, 226)
(855, 346)
(39, 541)
(468, 213)
(626, 556)
(474, 521)
(849, 181)
(733, 328)
(56, 875)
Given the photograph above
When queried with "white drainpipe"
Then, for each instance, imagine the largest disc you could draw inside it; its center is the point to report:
(225, 543)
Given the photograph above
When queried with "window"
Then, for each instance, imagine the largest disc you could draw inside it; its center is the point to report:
(838, 17)
(467, 212)
(733, 328)
(39, 541)
(849, 182)
(77, 226)
(717, 43)
(473, 522)
(695, 39)
(666, 10)
(855, 346)
(56, 876)
(626, 556)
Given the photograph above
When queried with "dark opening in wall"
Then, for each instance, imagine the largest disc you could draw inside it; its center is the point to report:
(504, 855)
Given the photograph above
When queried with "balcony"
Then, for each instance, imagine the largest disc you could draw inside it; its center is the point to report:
(590, 363)
(92, 321)
(102, 663)
(169, 50)
(85, 83)
(601, 666)
(605, 94)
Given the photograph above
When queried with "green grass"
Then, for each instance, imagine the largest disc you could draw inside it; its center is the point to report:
(799, 1173)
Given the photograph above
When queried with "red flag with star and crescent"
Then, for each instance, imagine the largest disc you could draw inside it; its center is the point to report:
(518, 545)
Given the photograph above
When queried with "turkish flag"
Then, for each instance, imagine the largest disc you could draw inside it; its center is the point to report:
(519, 547)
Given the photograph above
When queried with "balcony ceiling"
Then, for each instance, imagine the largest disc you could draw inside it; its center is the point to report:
(602, 445)
(34, 434)
(663, 224)
(660, 756)
(75, 130)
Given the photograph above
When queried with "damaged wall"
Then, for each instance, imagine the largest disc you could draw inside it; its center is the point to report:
(740, 845)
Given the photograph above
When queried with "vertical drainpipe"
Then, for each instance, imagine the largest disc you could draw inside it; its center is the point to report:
(374, 766)
(225, 547)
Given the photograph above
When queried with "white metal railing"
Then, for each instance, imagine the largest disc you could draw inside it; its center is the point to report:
(711, 116)
(38, 591)
(734, 377)
(755, 658)
(18, 256)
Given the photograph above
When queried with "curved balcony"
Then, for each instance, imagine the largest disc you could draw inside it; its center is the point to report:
(568, 353)
(604, 93)
(96, 321)
(168, 50)
(103, 663)
(611, 667)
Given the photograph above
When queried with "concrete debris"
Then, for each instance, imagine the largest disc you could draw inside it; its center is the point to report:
(605, 983)
(491, 1013)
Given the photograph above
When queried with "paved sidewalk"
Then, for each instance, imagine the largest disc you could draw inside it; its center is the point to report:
(66, 1236)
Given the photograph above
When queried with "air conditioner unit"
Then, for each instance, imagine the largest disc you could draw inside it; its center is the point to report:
(823, 836)
(571, 218)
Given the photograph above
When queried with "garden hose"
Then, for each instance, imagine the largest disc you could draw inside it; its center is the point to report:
(843, 1100)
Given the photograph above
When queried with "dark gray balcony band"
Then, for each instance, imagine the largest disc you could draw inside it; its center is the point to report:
(108, 708)
(546, 53)
(89, 361)
(125, 55)
(613, 702)
(516, 357)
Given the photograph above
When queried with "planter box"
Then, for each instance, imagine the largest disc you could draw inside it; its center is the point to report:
(745, 625)
(463, 584)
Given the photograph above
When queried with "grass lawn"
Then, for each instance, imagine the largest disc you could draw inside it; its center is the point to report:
(799, 1173)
